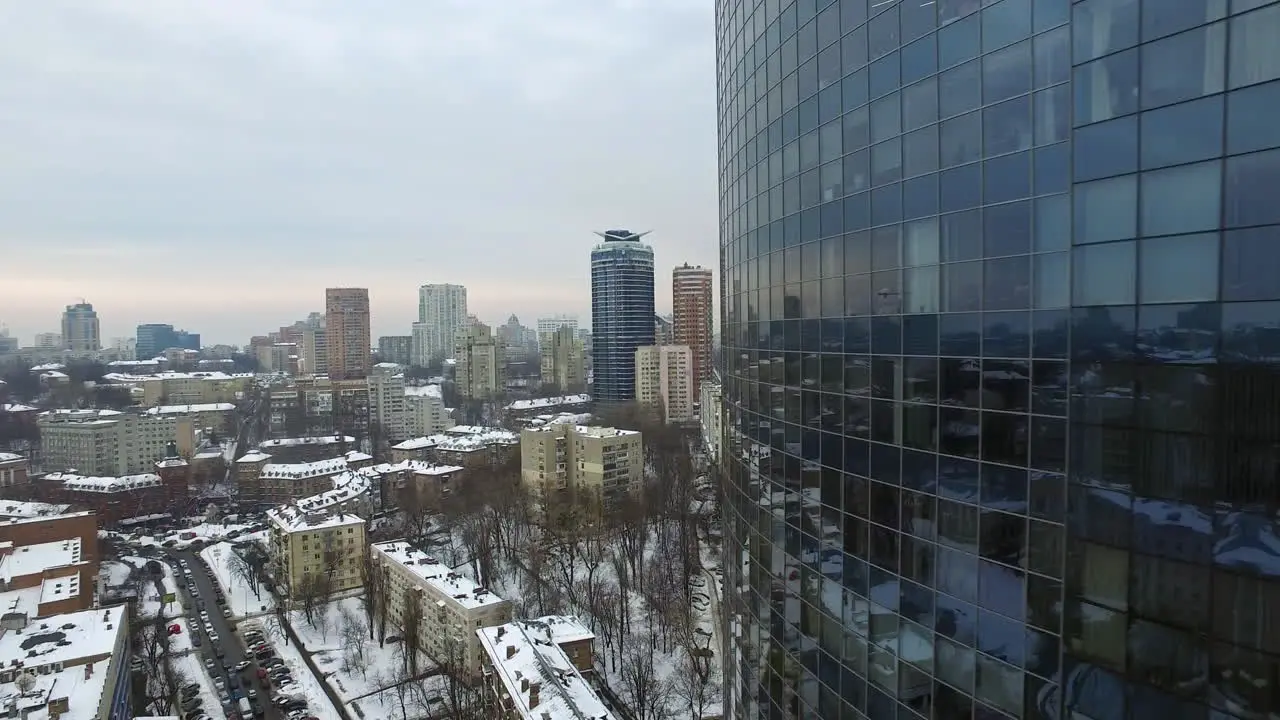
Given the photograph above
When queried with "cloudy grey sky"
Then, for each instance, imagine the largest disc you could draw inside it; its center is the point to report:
(216, 165)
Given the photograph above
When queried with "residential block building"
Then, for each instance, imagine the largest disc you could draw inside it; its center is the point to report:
(450, 607)
(664, 382)
(470, 446)
(442, 312)
(153, 387)
(14, 473)
(533, 670)
(479, 356)
(396, 349)
(564, 359)
(109, 442)
(317, 551)
(347, 332)
(425, 412)
(166, 489)
(387, 401)
(306, 449)
(573, 467)
(263, 481)
(691, 316)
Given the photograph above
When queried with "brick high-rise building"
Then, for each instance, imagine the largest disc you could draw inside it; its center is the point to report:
(346, 313)
(691, 308)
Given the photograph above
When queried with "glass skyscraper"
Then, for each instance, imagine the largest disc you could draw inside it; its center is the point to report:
(622, 315)
(1002, 339)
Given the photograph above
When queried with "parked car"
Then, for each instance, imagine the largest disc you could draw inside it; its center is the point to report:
(243, 664)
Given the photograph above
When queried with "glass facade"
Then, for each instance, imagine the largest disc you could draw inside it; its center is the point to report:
(1002, 339)
(622, 314)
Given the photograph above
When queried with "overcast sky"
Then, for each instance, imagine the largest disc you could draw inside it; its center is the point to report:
(216, 165)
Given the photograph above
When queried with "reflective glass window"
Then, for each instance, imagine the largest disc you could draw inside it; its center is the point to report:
(1249, 260)
(1052, 114)
(1006, 73)
(1181, 199)
(1103, 27)
(1179, 269)
(1052, 51)
(1050, 13)
(920, 104)
(882, 32)
(960, 89)
(920, 151)
(918, 18)
(961, 139)
(959, 41)
(1105, 274)
(1249, 196)
(1052, 169)
(1184, 66)
(1051, 273)
(920, 59)
(1160, 17)
(1052, 223)
(1251, 123)
(1106, 210)
(1007, 177)
(886, 74)
(1106, 88)
(1007, 126)
(1005, 23)
(886, 118)
(1182, 133)
(1255, 54)
(1106, 148)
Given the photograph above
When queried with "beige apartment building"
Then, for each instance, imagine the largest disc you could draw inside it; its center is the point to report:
(110, 442)
(386, 401)
(594, 468)
(184, 388)
(664, 382)
(347, 333)
(321, 551)
(452, 607)
(564, 359)
(478, 354)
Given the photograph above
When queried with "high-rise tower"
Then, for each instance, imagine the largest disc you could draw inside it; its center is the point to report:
(621, 312)
(80, 329)
(442, 312)
(347, 332)
(691, 313)
(1001, 321)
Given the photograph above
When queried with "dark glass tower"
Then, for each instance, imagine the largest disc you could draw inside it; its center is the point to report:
(621, 312)
(1002, 339)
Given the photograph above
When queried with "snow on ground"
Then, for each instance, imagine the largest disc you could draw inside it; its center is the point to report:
(182, 537)
(181, 642)
(149, 602)
(191, 669)
(387, 703)
(356, 674)
(113, 573)
(240, 598)
(306, 684)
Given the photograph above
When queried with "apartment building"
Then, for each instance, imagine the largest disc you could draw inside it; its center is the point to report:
(664, 382)
(442, 312)
(320, 552)
(219, 417)
(711, 417)
(263, 481)
(396, 349)
(564, 360)
(15, 473)
(281, 357)
(387, 401)
(347, 332)
(573, 467)
(432, 483)
(479, 357)
(425, 412)
(180, 388)
(110, 442)
(307, 449)
(49, 560)
(451, 607)
(691, 316)
(533, 670)
(471, 446)
(72, 666)
(164, 490)
(81, 331)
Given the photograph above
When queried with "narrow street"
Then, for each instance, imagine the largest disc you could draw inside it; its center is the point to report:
(230, 641)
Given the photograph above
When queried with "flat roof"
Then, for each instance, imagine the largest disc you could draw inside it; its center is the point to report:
(417, 467)
(295, 442)
(67, 637)
(72, 481)
(20, 509)
(459, 589)
(198, 408)
(34, 559)
(292, 519)
(300, 471)
(550, 402)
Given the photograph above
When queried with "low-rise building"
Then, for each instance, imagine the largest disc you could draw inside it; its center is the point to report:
(47, 578)
(307, 449)
(15, 473)
(571, 468)
(178, 388)
(317, 552)
(261, 480)
(425, 411)
(166, 489)
(70, 666)
(449, 607)
(533, 407)
(532, 670)
(470, 446)
(432, 483)
(110, 442)
(218, 417)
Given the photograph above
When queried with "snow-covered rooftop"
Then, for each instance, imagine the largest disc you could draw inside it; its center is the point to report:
(72, 481)
(85, 415)
(295, 442)
(347, 485)
(9, 457)
(417, 467)
(172, 462)
(352, 456)
(540, 679)
(19, 509)
(561, 419)
(291, 518)
(32, 559)
(457, 588)
(302, 471)
(48, 367)
(254, 456)
(562, 628)
(424, 391)
(18, 407)
(199, 375)
(550, 402)
(462, 438)
(184, 409)
(72, 638)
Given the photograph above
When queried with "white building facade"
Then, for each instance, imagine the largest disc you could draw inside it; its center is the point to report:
(442, 311)
(664, 379)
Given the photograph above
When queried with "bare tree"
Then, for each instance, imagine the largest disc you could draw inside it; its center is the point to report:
(311, 591)
(374, 598)
(240, 569)
(641, 686)
(273, 626)
(697, 687)
(411, 643)
(163, 680)
(351, 631)
(415, 511)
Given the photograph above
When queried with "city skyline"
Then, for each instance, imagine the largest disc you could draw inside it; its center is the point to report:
(229, 165)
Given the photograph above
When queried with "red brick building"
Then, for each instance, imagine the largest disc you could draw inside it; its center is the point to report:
(119, 498)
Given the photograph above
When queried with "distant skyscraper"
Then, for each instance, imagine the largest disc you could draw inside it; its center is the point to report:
(48, 341)
(80, 330)
(155, 338)
(622, 316)
(691, 309)
(442, 312)
(548, 325)
(347, 332)
(396, 349)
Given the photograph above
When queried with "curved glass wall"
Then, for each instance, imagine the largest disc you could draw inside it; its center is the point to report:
(1002, 339)
(622, 314)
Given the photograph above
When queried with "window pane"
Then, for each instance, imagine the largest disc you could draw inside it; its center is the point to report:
(920, 59)
(1179, 269)
(1053, 169)
(1182, 199)
(1007, 126)
(1255, 54)
(1006, 73)
(1007, 177)
(1106, 210)
(1050, 13)
(1250, 189)
(1183, 133)
(1105, 274)
(1251, 122)
(1052, 57)
(920, 151)
(1007, 229)
(1053, 114)
(1184, 66)
(920, 104)
(1052, 223)
(1107, 88)
(961, 139)
(1161, 17)
(959, 41)
(1104, 26)
(921, 289)
(886, 162)
(960, 89)
(917, 19)
(1051, 280)
(886, 118)
(1107, 148)
(1005, 23)
(1249, 262)
(921, 243)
